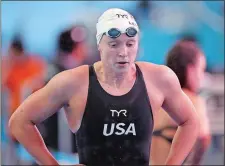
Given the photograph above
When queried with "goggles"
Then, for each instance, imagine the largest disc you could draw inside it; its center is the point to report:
(114, 32)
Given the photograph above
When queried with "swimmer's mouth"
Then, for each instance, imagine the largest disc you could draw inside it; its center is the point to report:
(122, 63)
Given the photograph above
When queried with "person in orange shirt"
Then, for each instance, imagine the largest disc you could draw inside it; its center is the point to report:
(22, 74)
(188, 62)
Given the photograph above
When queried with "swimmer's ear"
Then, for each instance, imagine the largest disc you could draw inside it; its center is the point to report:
(99, 48)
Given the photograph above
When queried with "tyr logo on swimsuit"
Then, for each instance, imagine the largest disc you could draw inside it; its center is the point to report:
(120, 126)
(118, 112)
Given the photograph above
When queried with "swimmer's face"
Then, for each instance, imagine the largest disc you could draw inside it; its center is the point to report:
(197, 71)
(119, 53)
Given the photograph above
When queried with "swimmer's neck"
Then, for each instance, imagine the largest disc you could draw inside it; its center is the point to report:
(117, 79)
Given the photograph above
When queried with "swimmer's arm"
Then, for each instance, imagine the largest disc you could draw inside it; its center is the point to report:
(182, 111)
(35, 109)
(198, 151)
(205, 133)
(204, 140)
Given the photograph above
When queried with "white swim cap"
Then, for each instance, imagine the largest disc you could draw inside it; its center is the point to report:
(114, 18)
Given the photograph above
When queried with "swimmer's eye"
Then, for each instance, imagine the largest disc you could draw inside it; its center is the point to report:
(130, 45)
(112, 45)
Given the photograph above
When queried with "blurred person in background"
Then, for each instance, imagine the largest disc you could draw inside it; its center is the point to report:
(71, 52)
(191, 37)
(187, 60)
(72, 48)
(22, 74)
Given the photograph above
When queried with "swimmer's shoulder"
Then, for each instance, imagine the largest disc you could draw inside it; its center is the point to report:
(72, 79)
(154, 68)
(160, 73)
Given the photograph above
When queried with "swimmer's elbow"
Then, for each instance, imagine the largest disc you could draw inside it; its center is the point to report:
(13, 124)
(194, 120)
(17, 123)
(193, 124)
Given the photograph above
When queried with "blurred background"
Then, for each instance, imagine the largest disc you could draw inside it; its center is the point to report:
(41, 39)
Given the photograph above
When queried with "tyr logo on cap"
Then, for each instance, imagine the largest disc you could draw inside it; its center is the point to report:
(122, 15)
